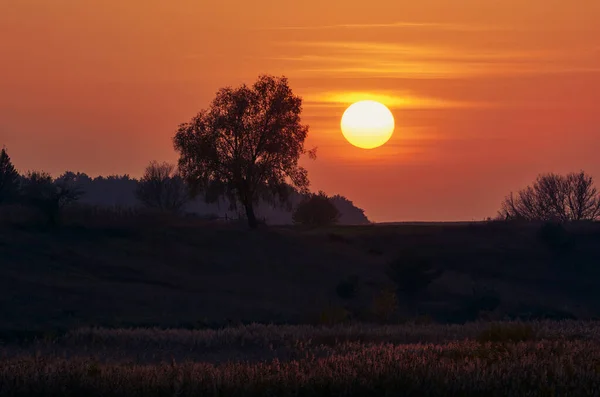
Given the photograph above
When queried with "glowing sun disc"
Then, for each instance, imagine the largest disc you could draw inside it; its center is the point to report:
(367, 124)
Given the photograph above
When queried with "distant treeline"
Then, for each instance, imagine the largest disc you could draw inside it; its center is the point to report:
(119, 191)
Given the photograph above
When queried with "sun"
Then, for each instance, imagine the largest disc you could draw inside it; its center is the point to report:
(367, 124)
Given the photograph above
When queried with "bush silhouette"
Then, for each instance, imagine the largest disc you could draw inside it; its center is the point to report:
(40, 191)
(317, 210)
(162, 188)
(9, 179)
(412, 273)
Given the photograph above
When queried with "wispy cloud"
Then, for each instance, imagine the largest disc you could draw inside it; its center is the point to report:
(394, 100)
(385, 59)
(420, 52)
(392, 25)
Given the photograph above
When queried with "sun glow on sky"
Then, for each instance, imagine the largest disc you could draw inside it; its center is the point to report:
(488, 93)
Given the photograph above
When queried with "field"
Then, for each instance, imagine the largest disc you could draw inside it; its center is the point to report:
(160, 307)
(478, 359)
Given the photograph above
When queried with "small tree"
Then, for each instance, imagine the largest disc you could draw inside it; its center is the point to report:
(39, 190)
(9, 179)
(316, 210)
(162, 188)
(246, 146)
(554, 198)
(412, 273)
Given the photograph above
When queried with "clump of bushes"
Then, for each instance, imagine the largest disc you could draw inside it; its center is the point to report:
(412, 273)
(162, 188)
(316, 210)
(47, 195)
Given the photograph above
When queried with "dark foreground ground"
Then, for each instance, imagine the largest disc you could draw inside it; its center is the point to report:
(84, 311)
(197, 275)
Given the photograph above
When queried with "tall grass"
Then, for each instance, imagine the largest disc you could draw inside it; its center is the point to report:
(500, 359)
(464, 368)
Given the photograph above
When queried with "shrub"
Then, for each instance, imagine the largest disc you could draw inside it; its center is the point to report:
(162, 188)
(40, 191)
(9, 179)
(316, 210)
(412, 273)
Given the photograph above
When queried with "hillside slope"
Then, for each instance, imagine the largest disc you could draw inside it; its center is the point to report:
(187, 275)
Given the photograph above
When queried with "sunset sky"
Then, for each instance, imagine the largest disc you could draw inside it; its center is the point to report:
(486, 94)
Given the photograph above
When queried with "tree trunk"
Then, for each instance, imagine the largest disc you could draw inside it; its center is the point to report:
(252, 222)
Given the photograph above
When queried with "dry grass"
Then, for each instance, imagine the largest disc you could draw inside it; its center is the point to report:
(561, 358)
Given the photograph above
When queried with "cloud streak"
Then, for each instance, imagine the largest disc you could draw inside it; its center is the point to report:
(384, 59)
(392, 100)
(393, 25)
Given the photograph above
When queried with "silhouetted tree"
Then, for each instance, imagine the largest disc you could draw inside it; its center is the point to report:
(583, 198)
(412, 272)
(246, 146)
(162, 188)
(350, 214)
(554, 198)
(316, 210)
(48, 196)
(9, 178)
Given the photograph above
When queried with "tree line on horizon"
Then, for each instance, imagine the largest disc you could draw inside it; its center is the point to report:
(159, 190)
(244, 150)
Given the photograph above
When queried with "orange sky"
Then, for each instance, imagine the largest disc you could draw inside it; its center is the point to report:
(486, 94)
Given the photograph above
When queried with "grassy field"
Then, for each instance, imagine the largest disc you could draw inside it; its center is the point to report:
(477, 359)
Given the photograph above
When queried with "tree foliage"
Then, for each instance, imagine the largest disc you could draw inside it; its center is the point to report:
(162, 188)
(555, 198)
(246, 145)
(9, 178)
(316, 210)
(412, 273)
(39, 190)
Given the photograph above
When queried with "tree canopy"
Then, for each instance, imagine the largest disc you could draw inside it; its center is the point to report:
(552, 197)
(162, 188)
(316, 210)
(246, 146)
(39, 190)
